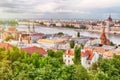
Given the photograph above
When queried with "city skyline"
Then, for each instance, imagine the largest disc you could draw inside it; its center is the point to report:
(62, 9)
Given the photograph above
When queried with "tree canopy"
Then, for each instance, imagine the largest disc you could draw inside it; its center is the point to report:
(19, 65)
(72, 44)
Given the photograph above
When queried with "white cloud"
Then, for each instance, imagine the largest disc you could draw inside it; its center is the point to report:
(47, 7)
(38, 7)
(99, 3)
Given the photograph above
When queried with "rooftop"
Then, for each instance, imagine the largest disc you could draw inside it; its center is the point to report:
(34, 49)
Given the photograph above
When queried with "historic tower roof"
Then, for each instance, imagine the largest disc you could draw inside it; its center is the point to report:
(103, 38)
(109, 18)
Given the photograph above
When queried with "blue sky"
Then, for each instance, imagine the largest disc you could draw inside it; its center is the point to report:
(59, 9)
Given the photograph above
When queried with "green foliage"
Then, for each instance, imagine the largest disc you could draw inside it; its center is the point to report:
(78, 34)
(72, 44)
(60, 33)
(81, 73)
(112, 44)
(58, 54)
(77, 52)
(9, 38)
(69, 26)
(51, 53)
(1, 22)
(12, 22)
(82, 45)
(107, 69)
(18, 65)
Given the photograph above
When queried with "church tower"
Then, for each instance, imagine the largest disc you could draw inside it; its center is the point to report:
(103, 38)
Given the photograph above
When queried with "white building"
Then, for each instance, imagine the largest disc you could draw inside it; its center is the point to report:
(68, 57)
(87, 57)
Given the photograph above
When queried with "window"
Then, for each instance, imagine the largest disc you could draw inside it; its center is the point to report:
(65, 60)
(65, 55)
(89, 62)
(68, 61)
(68, 56)
(72, 59)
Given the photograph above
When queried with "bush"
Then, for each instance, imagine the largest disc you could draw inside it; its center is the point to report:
(72, 44)
(60, 33)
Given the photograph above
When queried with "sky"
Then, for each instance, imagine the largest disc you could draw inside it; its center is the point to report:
(59, 9)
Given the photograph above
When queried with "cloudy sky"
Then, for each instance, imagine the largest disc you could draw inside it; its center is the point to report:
(59, 9)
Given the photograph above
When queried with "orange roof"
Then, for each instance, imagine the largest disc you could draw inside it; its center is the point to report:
(83, 54)
(88, 53)
(69, 51)
(33, 49)
(11, 29)
(103, 36)
(7, 46)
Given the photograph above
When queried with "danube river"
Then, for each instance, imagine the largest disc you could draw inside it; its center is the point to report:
(114, 38)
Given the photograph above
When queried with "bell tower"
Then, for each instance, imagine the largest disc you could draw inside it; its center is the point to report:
(103, 38)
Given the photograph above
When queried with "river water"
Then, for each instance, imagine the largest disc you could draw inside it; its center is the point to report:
(46, 30)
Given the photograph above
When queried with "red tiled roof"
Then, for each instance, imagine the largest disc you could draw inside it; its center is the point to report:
(7, 46)
(69, 51)
(11, 29)
(33, 49)
(83, 54)
(88, 53)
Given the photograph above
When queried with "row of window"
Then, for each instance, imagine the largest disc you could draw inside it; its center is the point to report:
(68, 56)
(67, 61)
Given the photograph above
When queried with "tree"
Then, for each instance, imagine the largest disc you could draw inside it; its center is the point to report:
(9, 38)
(12, 22)
(77, 52)
(107, 69)
(81, 73)
(51, 53)
(58, 54)
(78, 34)
(72, 44)
(60, 33)
(82, 45)
(112, 44)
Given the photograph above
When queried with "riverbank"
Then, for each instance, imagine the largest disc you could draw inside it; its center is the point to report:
(69, 31)
(86, 30)
(110, 33)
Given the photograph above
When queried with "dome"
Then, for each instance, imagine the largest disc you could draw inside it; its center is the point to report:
(109, 18)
